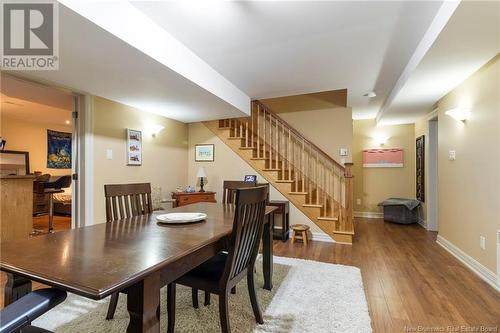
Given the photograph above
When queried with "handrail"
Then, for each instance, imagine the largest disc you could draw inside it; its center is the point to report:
(300, 135)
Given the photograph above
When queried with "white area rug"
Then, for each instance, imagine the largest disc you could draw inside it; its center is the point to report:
(308, 296)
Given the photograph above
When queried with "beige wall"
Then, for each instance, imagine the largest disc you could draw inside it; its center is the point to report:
(229, 166)
(165, 159)
(32, 137)
(329, 129)
(469, 187)
(373, 185)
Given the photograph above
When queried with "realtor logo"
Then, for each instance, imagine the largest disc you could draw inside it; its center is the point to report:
(29, 35)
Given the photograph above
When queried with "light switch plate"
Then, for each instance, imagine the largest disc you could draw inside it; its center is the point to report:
(452, 155)
(109, 154)
(344, 151)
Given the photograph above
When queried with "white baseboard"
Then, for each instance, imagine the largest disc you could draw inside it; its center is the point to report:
(321, 237)
(369, 215)
(423, 223)
(471, 263)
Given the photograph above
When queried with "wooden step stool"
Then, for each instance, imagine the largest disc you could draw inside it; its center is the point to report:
(300, 232)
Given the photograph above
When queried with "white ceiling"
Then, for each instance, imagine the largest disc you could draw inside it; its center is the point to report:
(94, 61)
(469, 40)
(278, 48)
(263, 49)
(30, 102)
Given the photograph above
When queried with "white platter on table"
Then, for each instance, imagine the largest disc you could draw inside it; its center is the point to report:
(179, 218)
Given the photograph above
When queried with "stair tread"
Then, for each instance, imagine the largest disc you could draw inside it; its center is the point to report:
(236, 137)
(224, 127)
(343, 232)
(312, 205)
(271, 169)
(298, 193)
(258, 158)
(247, 148)
(328, 218)
(285, 181)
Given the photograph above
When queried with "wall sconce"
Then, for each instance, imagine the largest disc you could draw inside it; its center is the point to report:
(154, 129)
(459, 114)
(380, 139)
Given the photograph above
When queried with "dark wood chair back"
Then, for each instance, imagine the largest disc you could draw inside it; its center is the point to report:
(127, 200)
(247, 231)
(230, 187)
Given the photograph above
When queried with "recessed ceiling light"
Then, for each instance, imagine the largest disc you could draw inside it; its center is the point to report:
(370, 94)
(68, 122)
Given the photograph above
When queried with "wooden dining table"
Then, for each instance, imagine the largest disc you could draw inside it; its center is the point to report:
(136, 256)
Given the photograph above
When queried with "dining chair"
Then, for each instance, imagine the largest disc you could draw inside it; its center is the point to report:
(124, 201)
(230, 187)
(127, 200)
(222, 272)
(17, 316)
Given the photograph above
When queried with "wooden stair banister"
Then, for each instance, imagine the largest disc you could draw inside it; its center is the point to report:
(312, 180)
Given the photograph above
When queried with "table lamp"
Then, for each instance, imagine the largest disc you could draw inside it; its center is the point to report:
(201, 174)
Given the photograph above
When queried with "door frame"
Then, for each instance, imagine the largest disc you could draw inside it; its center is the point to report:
(432, 174)
(82, 186)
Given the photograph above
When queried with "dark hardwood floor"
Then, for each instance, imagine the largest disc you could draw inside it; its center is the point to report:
(41, 223)
(410, 281)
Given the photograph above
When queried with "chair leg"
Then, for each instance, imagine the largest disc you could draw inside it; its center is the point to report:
(253, 299)
(207, 298)
(194, 295)
(304, 237)
(223, 312)
(112, 306)
(233, 290)
(171, 307)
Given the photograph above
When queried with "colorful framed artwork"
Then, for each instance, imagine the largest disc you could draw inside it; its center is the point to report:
(58, 150)
(204, 153)
(383, 158)
(134, 147)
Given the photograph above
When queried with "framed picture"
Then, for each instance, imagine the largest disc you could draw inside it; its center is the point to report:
(250, 179)
(420, 164)
(204, 153)
(134, 147)
(383, 158)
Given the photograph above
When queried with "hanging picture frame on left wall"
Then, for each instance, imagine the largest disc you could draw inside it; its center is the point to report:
(134, 147)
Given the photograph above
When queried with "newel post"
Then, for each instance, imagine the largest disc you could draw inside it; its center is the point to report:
(349, 178)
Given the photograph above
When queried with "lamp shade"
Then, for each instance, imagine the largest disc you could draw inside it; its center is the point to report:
(201, 173)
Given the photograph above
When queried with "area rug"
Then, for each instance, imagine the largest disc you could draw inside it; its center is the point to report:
(308, 296)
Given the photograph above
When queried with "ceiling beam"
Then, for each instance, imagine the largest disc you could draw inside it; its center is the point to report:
(438, 23)
(129, 24)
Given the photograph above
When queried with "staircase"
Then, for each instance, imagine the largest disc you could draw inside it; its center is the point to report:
(315, 183)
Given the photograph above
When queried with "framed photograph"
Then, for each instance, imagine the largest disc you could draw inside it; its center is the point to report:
(250, 179)
(134, 147)
(204, 153)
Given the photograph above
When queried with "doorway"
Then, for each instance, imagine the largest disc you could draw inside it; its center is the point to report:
(42, 121)
(432, 195)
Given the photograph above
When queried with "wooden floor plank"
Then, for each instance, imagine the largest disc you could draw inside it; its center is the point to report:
(409, 280)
